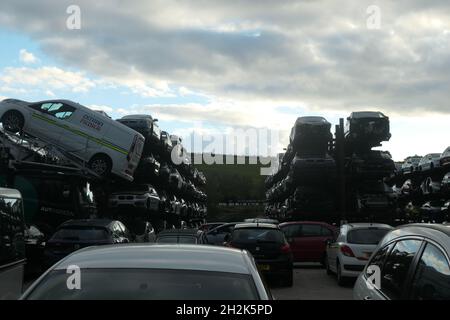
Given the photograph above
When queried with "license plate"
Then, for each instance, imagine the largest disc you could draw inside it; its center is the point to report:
(264, 267)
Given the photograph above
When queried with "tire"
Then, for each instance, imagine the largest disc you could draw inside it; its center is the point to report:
(341, 280)
(327, 266)
(288, 280)
(100, 164)
(13, 121)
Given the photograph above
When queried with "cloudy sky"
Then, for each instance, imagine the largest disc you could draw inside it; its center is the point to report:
(215, 65)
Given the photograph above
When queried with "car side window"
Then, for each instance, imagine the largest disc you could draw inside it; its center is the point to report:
(327, 232)
(432, 278)
(292, 231)
(396, 267)
(379, 258)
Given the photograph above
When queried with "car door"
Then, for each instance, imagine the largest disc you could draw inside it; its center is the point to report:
(431, 279)
(395, 270)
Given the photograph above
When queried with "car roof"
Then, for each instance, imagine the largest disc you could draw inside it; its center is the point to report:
(367, 225)
(88, 222)
(256, 225)
(136, 116)
(305, 222)
(436, 232)
(159, 256)
(179, 232)
(367, 114)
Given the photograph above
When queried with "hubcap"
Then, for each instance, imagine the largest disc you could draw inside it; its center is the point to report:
(99, 166)
(12, 122)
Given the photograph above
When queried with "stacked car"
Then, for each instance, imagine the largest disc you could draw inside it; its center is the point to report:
(305, 184)
(304, 172)
(166, 186)
(366, 168)
(423, 187)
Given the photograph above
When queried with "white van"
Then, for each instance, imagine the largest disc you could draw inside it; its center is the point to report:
(12, 244)
(107, 146)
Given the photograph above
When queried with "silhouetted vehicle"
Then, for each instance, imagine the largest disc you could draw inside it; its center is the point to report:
(75, 234)
(166, 143)
(354, 245)
(186, 236)
(410, 263)
(154, 272)
(372, 165)
(34, 249)
(366, 129)
(138, 196)
(307, 169)
(310, 136)
(269, 247)
(147, 169)
(429, 162)
(12, 244)
(445, 157)
(411, 164)
(308, 239)
(429, 186)
(445, 184)
(145, 125)
(431, 211)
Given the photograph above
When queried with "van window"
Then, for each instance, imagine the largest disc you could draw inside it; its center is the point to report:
(432, 277)
(58, 110)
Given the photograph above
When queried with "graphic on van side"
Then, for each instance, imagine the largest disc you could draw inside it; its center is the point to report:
(91, 122)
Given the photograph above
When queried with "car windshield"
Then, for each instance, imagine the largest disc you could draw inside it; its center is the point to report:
(248, 235)
(366, 235)
(81, 233)
(177, 239)
(147, 284)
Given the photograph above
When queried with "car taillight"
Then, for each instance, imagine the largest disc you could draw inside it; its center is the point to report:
(346, 251)
(286, 248)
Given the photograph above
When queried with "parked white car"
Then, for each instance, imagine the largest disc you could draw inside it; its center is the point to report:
(430, 161)
(104, 144)
(356, 242)
(410, 164)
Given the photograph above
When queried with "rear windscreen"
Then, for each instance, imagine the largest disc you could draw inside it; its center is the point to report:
(257, 235)
(81, 234)
(366, 236)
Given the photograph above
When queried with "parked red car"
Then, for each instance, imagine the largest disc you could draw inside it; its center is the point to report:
(308, 239)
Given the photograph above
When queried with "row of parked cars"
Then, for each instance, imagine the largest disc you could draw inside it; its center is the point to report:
(410, 262)
(305, 181)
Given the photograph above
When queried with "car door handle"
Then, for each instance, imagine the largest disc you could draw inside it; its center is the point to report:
(367, 298)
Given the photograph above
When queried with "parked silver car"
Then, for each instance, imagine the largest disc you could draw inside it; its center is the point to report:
(140, 196)
(411, 262)
(410, 164)
(153, 272)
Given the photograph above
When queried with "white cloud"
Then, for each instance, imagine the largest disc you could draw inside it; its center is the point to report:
(49, 93)
(104, 108)
(45, 79)
(27, 57)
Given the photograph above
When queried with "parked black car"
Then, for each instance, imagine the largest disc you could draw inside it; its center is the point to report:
(76, 234)
(269, 247)
(374, 164)
(185, 236)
